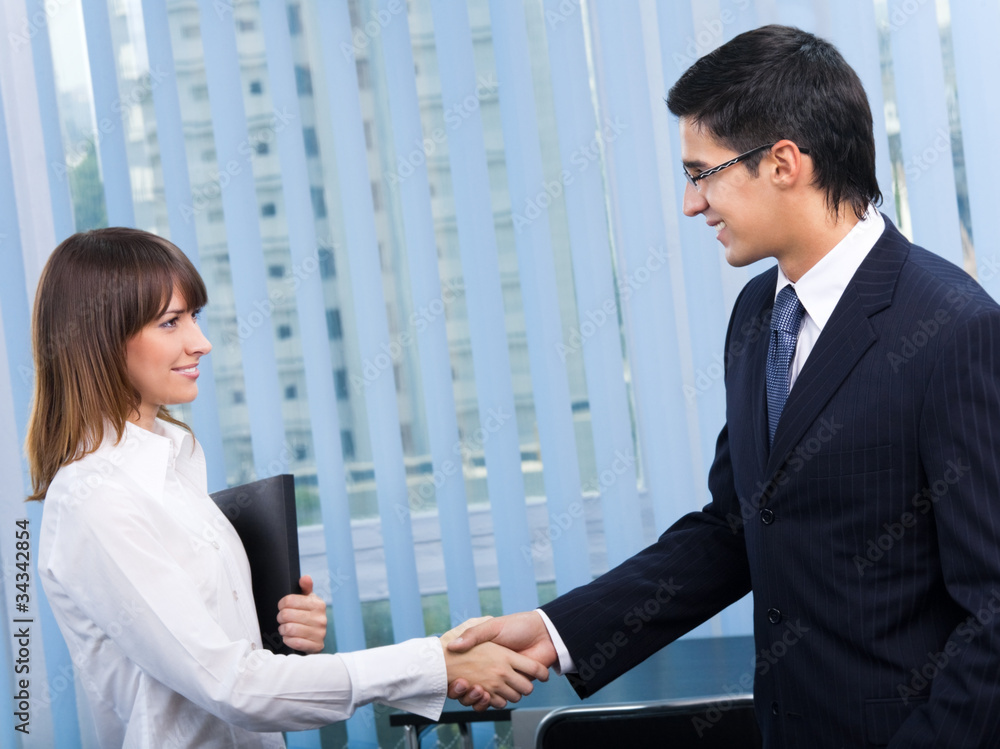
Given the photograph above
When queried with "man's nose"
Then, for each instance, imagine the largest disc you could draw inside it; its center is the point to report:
(694, 201)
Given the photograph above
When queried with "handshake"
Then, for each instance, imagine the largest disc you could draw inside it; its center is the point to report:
(492, 661)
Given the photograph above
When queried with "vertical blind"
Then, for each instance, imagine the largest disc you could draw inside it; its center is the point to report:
(451, 288)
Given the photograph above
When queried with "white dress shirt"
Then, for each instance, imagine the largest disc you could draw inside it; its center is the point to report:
(819, 290)
(150, 586)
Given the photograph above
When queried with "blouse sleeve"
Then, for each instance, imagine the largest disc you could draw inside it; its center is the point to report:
(109, 559)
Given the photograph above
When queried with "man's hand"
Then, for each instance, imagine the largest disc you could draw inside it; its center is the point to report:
(302, 619)
(501, 674)
(524, 633)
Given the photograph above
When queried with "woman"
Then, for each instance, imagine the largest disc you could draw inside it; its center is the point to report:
(160, 624)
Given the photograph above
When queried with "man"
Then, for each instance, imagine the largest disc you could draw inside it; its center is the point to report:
(856, 485)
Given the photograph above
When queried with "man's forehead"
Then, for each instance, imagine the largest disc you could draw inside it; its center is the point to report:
(696, 142)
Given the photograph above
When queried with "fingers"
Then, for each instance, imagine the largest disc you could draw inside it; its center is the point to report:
(302, 620)
(306, 584)
(471, 637)
(457, 689)
(303, 644)
(529, 667)
(451, 634)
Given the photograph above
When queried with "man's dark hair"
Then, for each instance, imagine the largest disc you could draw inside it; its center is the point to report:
(779, 82)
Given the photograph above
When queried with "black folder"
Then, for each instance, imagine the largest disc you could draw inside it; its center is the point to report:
(263, 514)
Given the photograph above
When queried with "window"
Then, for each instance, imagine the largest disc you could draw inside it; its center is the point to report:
(276, 271)
(340, 380)
(318, 201)
(262, 148)
(312, 143)
(376, 196)
(215, 217)
(347, 443)
(291, 392)
(303, 80)
(239, 397)
(301, 452)
(192, 31)
(199, 93)
(406, 433)
(246, 24)
(256, 88)
(267, 210)
(208, 155)
(327, 265)
(284, 332)
(369, 136)
(294, 20)
(334, 327)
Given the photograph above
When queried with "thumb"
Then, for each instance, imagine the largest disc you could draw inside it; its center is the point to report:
(306, 583)
(471, 637)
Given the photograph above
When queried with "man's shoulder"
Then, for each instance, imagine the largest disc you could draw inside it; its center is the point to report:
(927, 278)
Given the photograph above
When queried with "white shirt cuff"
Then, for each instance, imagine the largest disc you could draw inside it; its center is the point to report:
(409, 676)
(565, 665)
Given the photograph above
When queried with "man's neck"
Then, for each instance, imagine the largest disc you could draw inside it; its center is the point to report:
(814, 239)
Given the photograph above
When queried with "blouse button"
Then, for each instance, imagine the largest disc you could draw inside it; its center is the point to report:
(253, 645)
(215, 544)
(235, 596)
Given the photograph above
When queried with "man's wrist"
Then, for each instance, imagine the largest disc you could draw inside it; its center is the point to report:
(564, 661)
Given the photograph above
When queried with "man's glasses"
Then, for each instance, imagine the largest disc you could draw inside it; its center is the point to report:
(694, 179)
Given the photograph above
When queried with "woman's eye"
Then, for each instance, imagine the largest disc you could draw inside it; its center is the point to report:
(171, 323)
(196, 314)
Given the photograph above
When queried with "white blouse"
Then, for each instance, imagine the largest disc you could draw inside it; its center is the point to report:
(150, 586)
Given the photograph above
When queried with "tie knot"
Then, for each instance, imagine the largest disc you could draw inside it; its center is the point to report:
(788, 312)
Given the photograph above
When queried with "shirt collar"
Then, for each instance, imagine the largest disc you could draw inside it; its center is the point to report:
(821, 287)
(145, 456)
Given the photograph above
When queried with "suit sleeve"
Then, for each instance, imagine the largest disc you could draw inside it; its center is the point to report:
(694, 570)
(960, 445)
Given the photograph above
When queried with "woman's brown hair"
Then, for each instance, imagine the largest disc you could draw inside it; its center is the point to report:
(97, 290)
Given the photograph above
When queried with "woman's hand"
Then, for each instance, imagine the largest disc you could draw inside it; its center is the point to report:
(502, 675)
(302, 619)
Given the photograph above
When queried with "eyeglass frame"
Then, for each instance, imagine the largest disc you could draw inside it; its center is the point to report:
(694, 179)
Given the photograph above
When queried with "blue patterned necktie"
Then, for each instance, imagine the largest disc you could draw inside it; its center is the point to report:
(786, 318)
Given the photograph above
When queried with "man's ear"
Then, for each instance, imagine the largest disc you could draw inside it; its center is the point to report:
(786, 164)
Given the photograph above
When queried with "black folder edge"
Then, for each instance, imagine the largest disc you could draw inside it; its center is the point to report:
(263, 514)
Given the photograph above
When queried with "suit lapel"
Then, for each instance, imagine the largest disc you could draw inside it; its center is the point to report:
(847, 336)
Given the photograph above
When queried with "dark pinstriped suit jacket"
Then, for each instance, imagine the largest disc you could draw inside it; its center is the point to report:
(869, 533)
